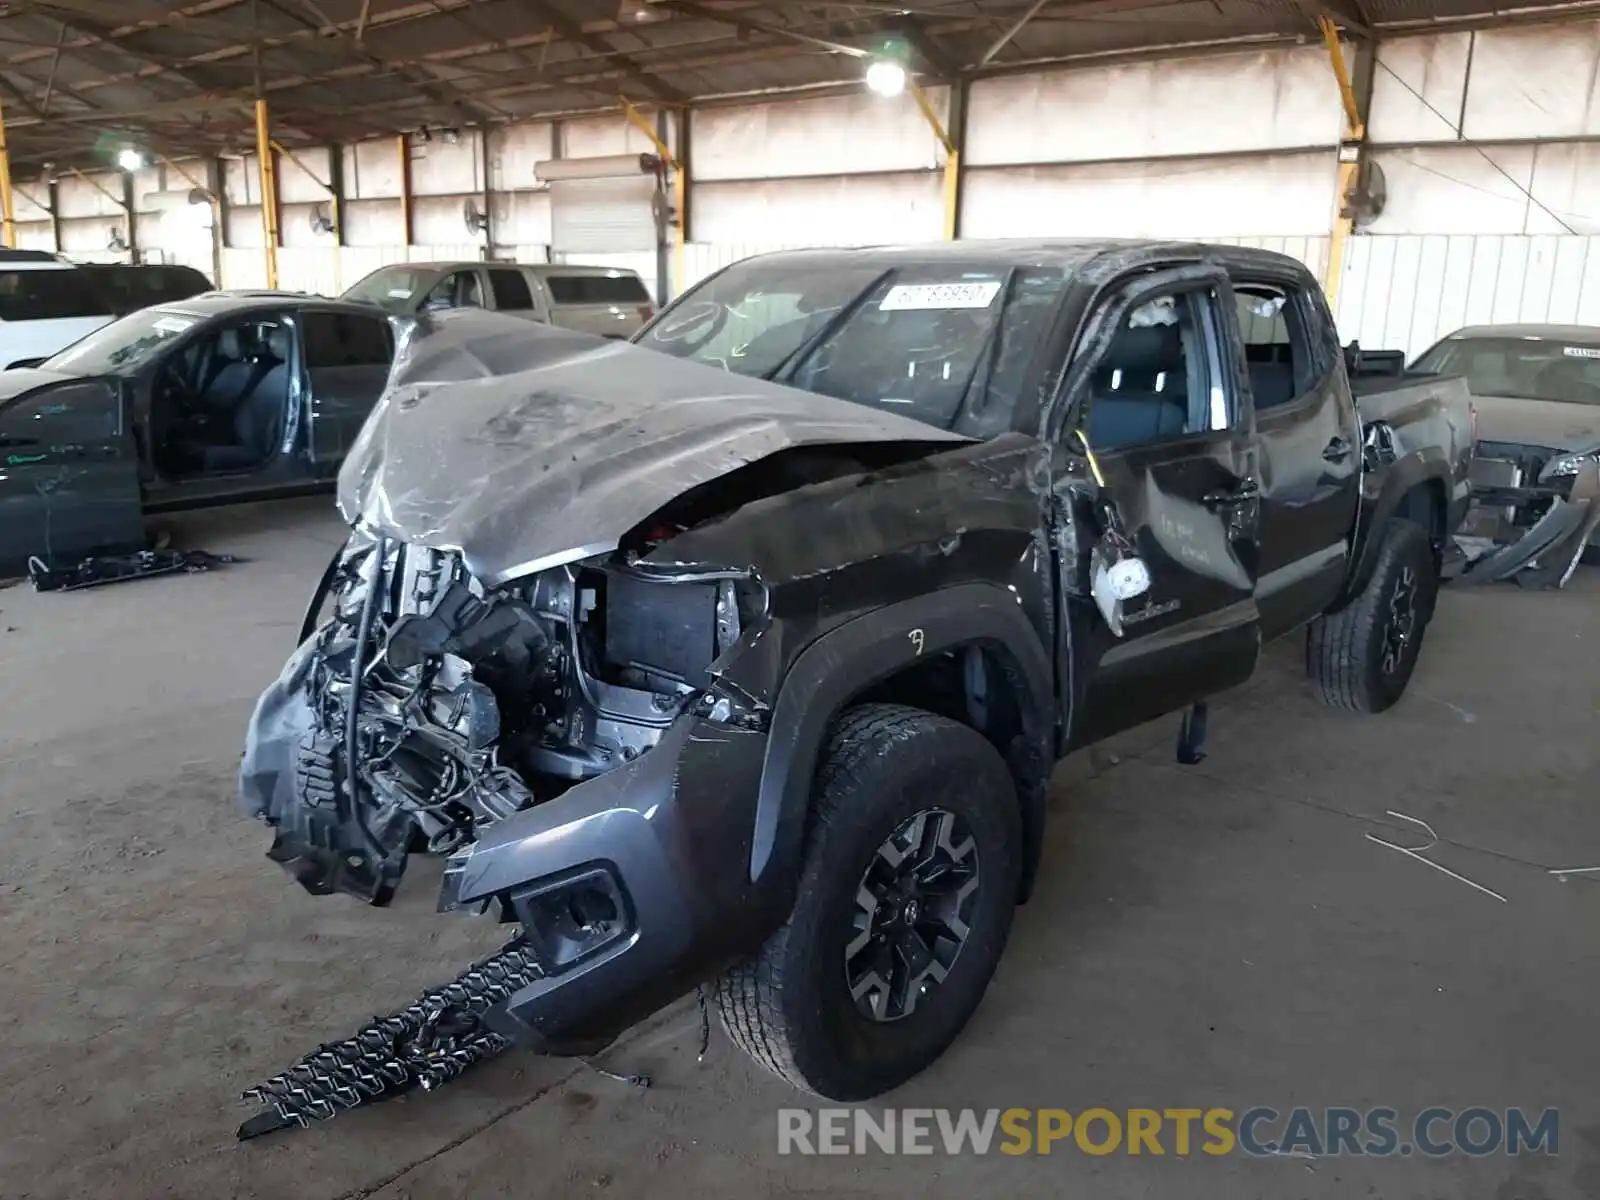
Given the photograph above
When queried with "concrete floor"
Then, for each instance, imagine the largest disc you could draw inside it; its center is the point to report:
(1213, 936)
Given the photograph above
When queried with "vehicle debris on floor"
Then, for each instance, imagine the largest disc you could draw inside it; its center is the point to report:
(122, 568)
(427, 1044)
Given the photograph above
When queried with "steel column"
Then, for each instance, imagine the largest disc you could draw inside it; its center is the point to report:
(269, 192)
(54, 192)
(1355, 96)
(680, 185)
(8, 212)
(217, 184)
(952, 149)
(404, 148)
(484, 136)
(130, 206)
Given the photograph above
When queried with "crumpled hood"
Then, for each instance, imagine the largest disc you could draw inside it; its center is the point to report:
(523, 446)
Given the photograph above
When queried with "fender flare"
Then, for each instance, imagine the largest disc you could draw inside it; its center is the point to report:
(866, 650)
(1404, 476)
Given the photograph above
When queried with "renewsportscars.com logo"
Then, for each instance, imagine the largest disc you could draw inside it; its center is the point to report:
(1260, 1132)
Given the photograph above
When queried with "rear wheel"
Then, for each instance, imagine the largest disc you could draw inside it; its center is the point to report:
(1361, 657)
(913, 861)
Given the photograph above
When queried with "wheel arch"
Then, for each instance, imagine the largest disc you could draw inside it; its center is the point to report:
(1415, 488)
(887, 653)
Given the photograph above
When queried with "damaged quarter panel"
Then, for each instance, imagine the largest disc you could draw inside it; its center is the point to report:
(872, 575)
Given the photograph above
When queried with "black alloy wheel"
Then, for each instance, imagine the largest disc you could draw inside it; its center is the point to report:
(913, 914)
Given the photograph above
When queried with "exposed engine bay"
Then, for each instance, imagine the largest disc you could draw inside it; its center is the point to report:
(473, 705)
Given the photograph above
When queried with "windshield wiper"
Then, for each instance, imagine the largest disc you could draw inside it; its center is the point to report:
(831, 326)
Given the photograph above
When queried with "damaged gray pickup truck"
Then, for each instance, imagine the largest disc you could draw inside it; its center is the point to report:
(744, 654)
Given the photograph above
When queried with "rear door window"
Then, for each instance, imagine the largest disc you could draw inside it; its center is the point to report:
(345, 340)
(597, 289)
(1280, 354)
(511, 293)
(459, 289)
(49, 294)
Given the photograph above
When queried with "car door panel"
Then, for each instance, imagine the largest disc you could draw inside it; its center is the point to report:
(69, 483)
(1187, 505)
(1309, 458)
(347, 358)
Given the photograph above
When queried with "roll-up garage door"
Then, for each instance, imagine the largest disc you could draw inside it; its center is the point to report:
(602, 205)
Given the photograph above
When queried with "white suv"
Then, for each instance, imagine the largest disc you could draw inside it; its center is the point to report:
(45, 305)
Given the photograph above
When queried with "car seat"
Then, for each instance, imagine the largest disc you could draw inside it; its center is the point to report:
(258, 409)
(1140, 392)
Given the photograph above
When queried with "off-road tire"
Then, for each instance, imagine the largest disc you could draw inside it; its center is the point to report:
(1345, 651)
(789, 1007)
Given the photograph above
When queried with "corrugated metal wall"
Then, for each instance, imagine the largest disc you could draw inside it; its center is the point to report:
(1407, 292)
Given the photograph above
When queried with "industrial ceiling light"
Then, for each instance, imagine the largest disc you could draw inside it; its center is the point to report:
(130, 159)
(886, 78)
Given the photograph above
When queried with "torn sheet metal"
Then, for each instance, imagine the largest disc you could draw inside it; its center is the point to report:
(1551, 550)
(524, 447)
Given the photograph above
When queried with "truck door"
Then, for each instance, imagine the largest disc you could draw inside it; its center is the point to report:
(1152, 391)
(347, 357)
(69, 475)
(1308, 439)
(512, 295)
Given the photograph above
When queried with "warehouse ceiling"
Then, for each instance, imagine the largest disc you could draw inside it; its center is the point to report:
(81, 79)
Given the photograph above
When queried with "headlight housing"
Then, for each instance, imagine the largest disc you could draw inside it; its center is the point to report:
(1568, 464)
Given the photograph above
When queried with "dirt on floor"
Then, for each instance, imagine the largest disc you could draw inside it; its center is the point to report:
(1224, 935)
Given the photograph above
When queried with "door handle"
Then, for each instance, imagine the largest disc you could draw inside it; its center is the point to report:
(1247, 491)
(1337, 450)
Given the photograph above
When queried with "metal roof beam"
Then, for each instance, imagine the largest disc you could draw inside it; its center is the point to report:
(573, 31)
(469, 108)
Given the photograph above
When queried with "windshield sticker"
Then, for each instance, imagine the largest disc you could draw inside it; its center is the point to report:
(172, 324)
(1581, 351)
(399, 293)
(911, 296)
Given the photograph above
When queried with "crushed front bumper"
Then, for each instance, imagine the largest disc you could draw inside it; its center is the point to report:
(1538, 533)
(630, 887)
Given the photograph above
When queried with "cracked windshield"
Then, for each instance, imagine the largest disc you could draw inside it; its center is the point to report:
(948, 345)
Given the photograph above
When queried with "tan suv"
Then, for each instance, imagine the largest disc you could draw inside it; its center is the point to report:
(603, 300)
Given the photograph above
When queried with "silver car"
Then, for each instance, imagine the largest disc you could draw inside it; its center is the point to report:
(601, 300)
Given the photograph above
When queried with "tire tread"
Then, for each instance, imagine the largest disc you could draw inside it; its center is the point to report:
(1338, 645)
(748, 994)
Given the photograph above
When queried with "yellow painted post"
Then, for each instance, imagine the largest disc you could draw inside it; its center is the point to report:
(8, 213)
(269, 192)
(1351, 149)
(952, 159)
(952, 192)
(680, 196)
(680, 187)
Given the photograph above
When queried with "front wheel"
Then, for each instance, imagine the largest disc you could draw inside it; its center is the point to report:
(913, 861)
(1361, 657)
